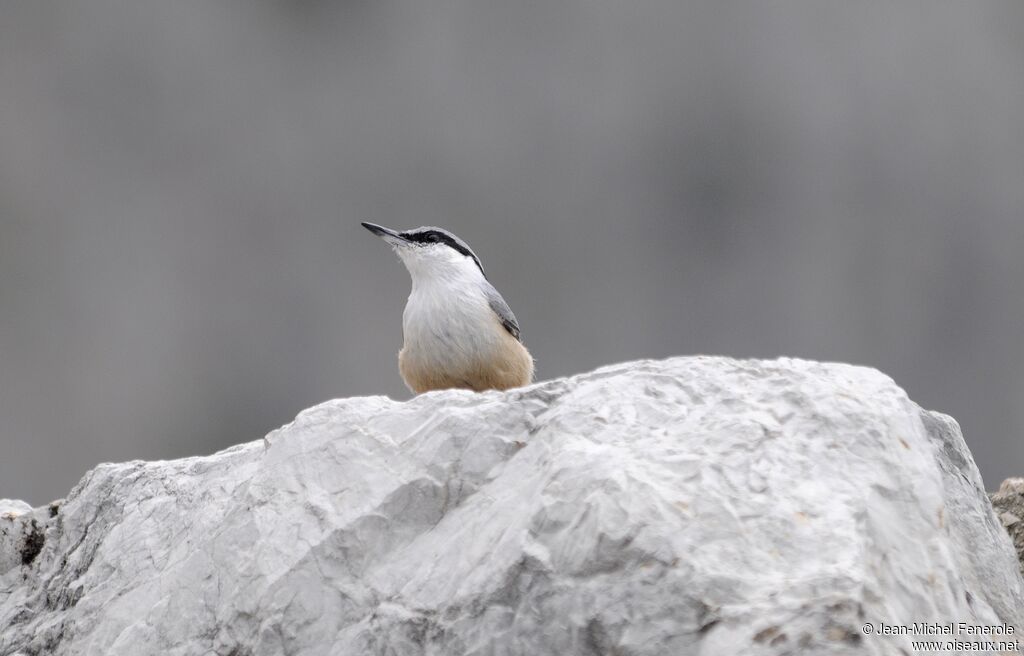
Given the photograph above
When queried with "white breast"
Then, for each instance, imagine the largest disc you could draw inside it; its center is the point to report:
(449, 324)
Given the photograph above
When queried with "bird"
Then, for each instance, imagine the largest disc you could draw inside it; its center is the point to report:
(458, 331)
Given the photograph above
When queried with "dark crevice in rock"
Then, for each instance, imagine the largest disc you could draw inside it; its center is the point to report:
(33, 544)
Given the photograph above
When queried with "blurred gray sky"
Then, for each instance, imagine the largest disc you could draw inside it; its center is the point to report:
(181, 184)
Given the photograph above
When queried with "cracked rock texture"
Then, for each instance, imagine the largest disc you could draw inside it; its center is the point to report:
(693, 505)
(1009, 505)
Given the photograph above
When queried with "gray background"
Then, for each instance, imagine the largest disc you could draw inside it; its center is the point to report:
(181, 184)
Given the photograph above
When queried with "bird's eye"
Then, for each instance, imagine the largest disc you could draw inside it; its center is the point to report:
(433, 238)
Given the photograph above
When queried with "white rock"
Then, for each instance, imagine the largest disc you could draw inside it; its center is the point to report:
(11, 508)
(695, 505)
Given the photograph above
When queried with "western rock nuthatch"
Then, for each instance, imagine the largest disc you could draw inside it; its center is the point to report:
(459, 331)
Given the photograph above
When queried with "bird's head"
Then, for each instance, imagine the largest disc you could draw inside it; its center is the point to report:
(430, 252)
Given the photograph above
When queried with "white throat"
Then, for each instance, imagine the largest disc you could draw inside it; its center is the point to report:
(448, 314)
(439, 264)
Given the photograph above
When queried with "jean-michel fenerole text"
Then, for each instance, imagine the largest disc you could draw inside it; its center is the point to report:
(948, 628)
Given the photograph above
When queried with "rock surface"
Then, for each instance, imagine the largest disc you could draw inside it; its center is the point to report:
(1009, 505)
(694, 505)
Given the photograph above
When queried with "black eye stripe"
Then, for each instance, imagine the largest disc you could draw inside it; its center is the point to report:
(437, 237)
(424, 237)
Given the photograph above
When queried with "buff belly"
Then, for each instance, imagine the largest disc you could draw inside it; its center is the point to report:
(501, 364)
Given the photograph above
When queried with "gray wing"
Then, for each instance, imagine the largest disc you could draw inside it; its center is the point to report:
(503, 311)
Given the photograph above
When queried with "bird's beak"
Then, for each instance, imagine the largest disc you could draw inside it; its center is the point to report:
(387, 234)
